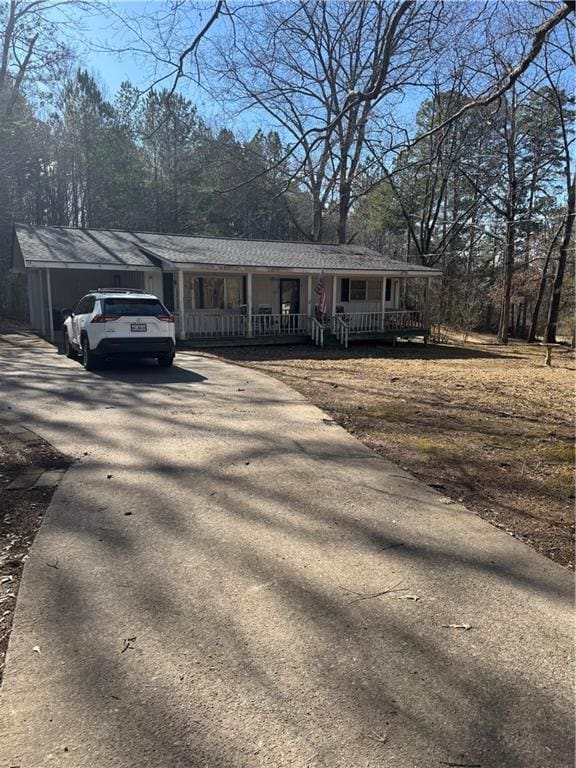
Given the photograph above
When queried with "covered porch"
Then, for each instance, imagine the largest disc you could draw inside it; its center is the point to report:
(261, 307)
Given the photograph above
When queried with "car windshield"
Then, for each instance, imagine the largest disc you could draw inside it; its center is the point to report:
(133, 307)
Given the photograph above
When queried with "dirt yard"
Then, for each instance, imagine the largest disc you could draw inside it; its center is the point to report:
(21, 513)
(489, 426)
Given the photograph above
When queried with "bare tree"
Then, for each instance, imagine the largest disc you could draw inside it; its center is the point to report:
(303, 69)
(564, 106)
(32, 47)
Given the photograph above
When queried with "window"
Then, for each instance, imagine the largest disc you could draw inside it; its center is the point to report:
(213, 292)
(209, 292)
(85, 306)
(363, 290)
(233, 292)
(388, 289)
(134, 307)
(374, 289)
(358, 290)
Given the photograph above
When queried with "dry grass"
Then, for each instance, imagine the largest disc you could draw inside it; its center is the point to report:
(490, 426)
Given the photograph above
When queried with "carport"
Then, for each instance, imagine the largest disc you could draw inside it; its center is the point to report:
(65, 263)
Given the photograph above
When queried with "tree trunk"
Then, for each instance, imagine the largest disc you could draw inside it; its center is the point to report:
(554, 310)
(317, 221)
(343, 210)
(541, 290)
(503, 328)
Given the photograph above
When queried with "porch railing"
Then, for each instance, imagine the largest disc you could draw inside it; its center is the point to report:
(279, 325)
(341, 330)
(343, 326)
(403, 318)
(205, 325)
(366, 322)
(316, 332)
(213, 326)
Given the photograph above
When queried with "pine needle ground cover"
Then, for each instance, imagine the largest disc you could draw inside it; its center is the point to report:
(489, 426)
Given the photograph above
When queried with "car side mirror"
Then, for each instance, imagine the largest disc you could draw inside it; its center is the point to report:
(66, 313)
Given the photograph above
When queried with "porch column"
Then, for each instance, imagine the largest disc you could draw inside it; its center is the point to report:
(249, 303)
(309, 295)
(334, 293)
(383, 302)
(182, 329)
(426, 317)
(49, 292)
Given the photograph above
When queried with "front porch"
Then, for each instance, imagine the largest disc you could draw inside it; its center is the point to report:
(223, 330)
(232, 309)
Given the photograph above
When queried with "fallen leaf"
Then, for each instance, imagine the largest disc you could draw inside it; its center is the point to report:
(127, 644)
(36, 649)
(409, 597)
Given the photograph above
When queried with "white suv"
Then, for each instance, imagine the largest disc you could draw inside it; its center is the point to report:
(119, 323)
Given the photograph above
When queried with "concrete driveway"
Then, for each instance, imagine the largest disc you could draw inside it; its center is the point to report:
(236, 586)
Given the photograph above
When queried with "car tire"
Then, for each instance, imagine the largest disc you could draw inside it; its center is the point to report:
(69, 350)
(89, 359)
(165, 361)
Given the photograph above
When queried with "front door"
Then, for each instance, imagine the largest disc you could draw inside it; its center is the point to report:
(290, 304)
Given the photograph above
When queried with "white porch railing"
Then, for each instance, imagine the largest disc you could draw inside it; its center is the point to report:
(343, 326)
(403, 318)
(316, 332)
(279, 325)
(205, 325)
(213, 326)
(341, 330)
(366, 322)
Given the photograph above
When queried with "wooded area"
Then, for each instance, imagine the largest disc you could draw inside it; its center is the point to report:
(320, 144)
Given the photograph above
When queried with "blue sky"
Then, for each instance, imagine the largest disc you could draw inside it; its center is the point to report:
(103, 31)
(103, 35)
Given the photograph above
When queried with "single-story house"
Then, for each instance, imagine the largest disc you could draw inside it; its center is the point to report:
(225, 290)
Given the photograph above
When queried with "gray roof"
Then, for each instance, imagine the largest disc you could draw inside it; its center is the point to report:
(68, 246)
(93, 246)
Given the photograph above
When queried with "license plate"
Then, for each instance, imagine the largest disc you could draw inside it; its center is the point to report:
(138, 327)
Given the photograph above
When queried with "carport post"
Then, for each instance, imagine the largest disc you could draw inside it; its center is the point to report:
(249, 304)
(182, 328)
(32, 308)
(50, 318)
(383, 301)
(42, 293)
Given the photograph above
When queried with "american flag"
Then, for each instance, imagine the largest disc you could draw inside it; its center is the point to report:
(320, 291)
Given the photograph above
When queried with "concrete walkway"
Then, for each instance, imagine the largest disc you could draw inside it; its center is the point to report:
(236, 586)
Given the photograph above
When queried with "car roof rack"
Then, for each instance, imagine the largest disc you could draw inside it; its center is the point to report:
(117, 290)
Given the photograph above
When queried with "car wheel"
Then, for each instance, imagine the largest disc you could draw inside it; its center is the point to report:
(69, 350)
(89, 359)
(165, 361)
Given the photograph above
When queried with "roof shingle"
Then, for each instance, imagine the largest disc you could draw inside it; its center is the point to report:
(92, 246)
